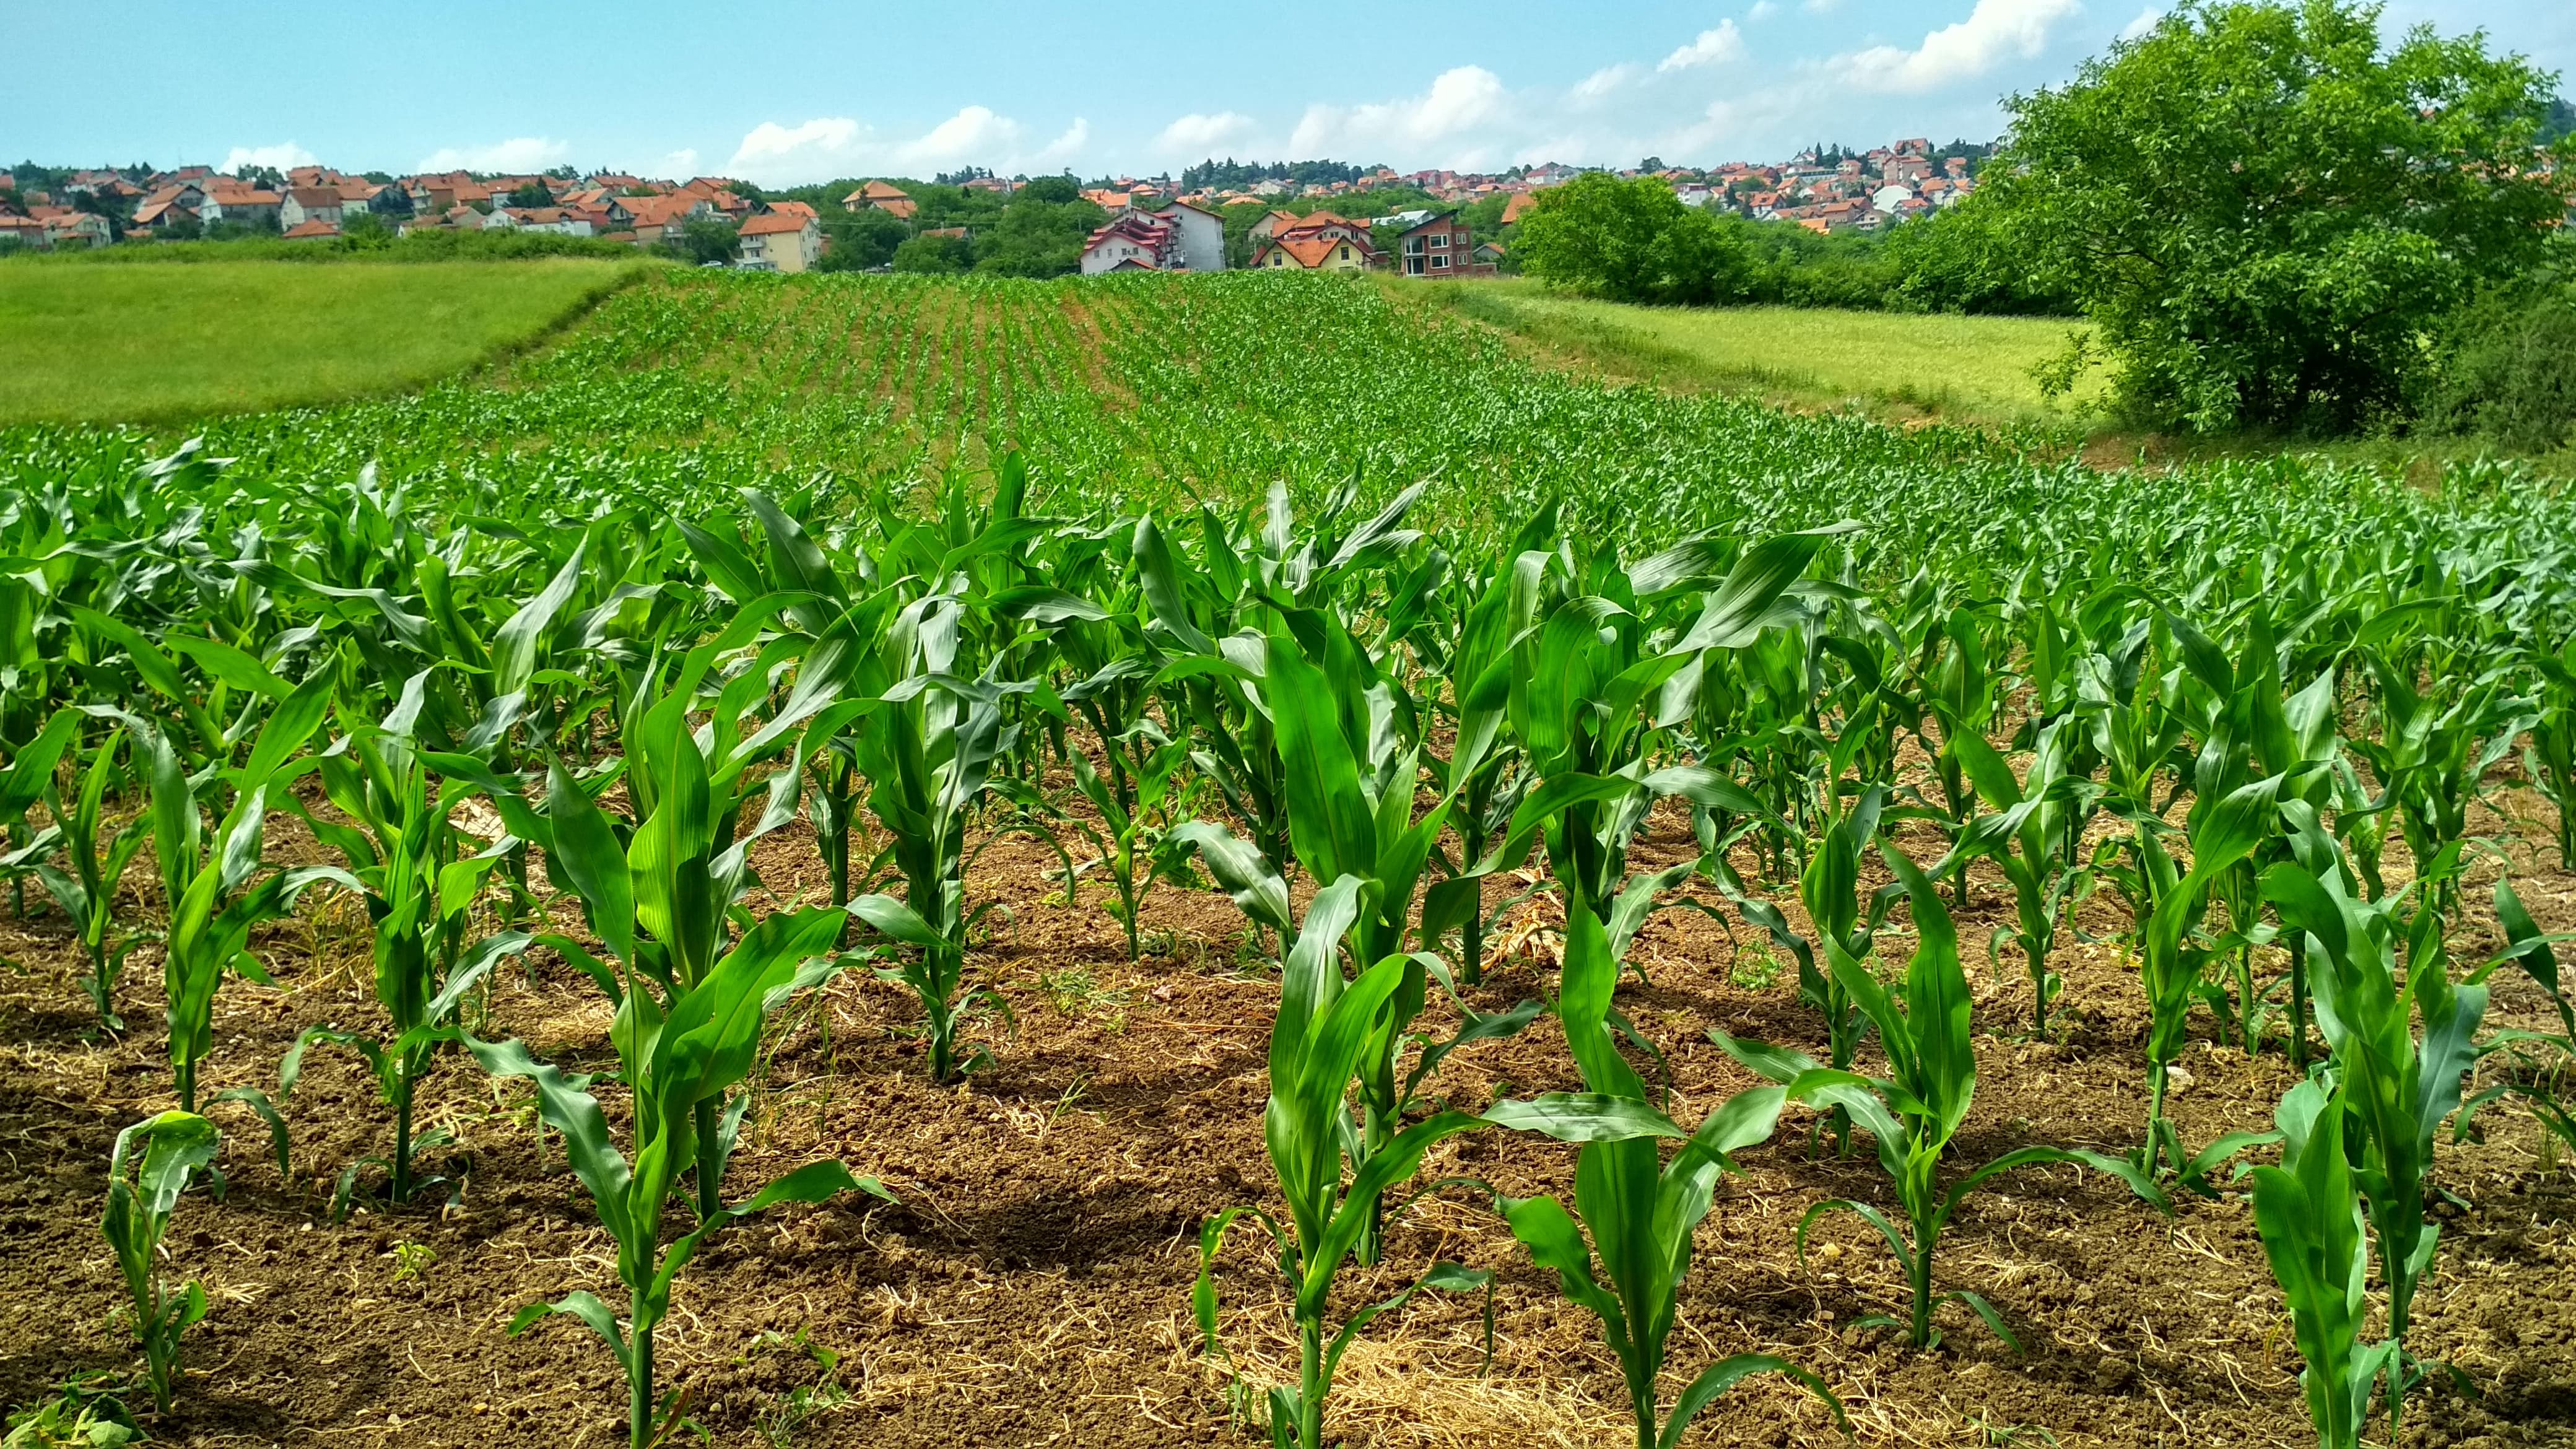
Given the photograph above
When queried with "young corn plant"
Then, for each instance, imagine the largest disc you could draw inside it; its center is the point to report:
(214, 903)
(1846, 926)
(2549, 757)
(1351, 782)
(676, 1062)
(2544, 1058)
(28, 780)
(928, 754)
(2025, 836)
(1914, 1111)
(146, 1175)
(2429, 761)
(2398, 1085)
(87, 891)
(2225, 832)
(405, 864)
(2308, 1211)
(1638, 1212)
(665, 901)
(1578, 683)
(1482, 772)
(1131, 831)
(1317, 1043)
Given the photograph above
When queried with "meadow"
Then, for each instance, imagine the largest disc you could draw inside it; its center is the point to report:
(147, 343)
(1960, 369)
(1185, 861)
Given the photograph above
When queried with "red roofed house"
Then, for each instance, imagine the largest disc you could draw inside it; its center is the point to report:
(780, 241)
(169, 203)
(312, 230)
(310, 203)
(1177, 238)
(657, 216)
(1133, 241)
(239, 203)
(1518, 207)
(1321, 243)
(880, 196)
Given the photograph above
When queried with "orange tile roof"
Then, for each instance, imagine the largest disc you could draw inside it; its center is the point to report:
(660, 210)
(1312, 249)
(304, 229)
(776, 223)
(794, 208)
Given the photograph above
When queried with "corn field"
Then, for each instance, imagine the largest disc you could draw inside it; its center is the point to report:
(1184, 861)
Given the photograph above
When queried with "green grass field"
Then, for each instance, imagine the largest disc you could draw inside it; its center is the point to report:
(1964, 369)
(170, 343)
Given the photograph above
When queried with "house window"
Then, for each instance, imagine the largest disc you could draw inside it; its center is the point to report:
(1439, 264)
(1346, 253)
(1440, 243)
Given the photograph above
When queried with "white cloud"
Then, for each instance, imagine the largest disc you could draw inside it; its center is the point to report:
(1995, 32)
(1762, 10)
(1725, 43)
(1459, 102)
(1062, 150)
(681, 163)
(2146, 21)
(824, 147)
(1200, 135)
(519, 153)
(1602, 84)
(284, 156)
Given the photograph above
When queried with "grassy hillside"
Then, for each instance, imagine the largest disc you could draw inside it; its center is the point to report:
(149, 343)
(1961, 369)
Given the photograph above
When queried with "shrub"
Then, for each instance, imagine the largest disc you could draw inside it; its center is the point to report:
(2505, 371)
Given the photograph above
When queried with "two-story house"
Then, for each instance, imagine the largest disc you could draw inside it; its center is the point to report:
(1439, 247)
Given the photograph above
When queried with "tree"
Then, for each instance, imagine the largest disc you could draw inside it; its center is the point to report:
(531, 193)
(707, 239)
(1631, 241)
(1054, 190)
(935, 255)
(2559, 123)
(1037, 238)
(2264, 212)
(860, 240)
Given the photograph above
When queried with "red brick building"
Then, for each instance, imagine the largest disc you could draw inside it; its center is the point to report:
(1440, 247)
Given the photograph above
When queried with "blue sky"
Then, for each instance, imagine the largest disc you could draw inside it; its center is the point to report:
(791, 90)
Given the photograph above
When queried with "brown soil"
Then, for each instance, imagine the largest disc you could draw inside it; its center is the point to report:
(1033, 1286)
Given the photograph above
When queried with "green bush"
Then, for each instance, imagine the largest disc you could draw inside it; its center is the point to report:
(1634, 241)
(2508, 369)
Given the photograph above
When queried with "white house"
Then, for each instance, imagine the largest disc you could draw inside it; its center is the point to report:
(1202, 236)
(309, 203)
(538, 218)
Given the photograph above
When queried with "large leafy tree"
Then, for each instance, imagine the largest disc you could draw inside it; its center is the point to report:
(1632, 241)
(2265, 211)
